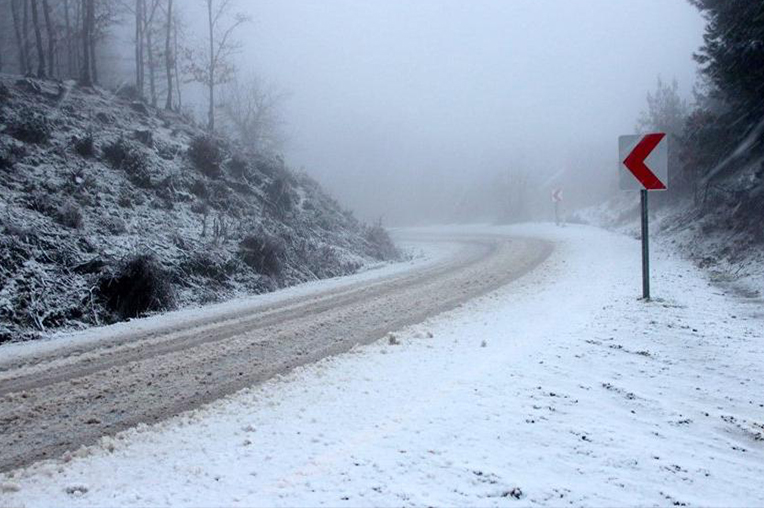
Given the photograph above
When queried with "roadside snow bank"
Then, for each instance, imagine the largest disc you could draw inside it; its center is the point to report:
(562, 388)
(734, 258)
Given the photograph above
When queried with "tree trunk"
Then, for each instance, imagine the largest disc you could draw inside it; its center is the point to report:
(69, 38)
(86, 79)
(27, 44)
(177, 69)
(92, 41)
(77, 38)
(51, 38)
(38, 40)
(139, 47)
(149, 34)
(93, 58)
(169, 57)
(150, 54)
(19, 37)
(211, 76)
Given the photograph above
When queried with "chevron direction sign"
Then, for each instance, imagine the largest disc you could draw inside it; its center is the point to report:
(644, 167)
(643, 162)
(557, 196)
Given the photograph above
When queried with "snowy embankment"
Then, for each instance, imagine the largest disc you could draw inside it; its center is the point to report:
(560, 388)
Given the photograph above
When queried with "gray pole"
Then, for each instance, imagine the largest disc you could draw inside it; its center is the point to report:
(645, 249)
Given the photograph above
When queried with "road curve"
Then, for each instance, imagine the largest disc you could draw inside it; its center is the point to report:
(71, 396)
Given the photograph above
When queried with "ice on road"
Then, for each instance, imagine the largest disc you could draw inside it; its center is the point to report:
(560, 388)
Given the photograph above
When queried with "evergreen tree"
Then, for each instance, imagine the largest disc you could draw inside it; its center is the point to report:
(733, 52)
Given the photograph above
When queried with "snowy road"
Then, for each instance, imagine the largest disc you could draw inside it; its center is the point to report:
(54, 399)
(559, 388)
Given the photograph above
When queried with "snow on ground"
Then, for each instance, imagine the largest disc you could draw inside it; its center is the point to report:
(562, 388)
(420, 255)
(733, 257)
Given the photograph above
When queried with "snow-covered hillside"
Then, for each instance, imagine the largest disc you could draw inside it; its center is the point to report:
(723, 237)
(562, 388)
(110, 209)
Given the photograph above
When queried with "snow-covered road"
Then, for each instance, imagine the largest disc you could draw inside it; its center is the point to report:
(560, 388)
(58, 395)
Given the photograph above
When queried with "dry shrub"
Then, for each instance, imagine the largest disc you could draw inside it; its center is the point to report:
(279, 194)
(30, 126)
(122, 154)
(84, 145)
(379, 244)
(238, 166)
(207, 155)
(140, 285)
(70, 215)
(263, 253)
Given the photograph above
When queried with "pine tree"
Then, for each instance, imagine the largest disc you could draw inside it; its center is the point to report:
(733, 52)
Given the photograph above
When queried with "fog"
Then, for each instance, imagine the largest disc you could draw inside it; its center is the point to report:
(409, 110)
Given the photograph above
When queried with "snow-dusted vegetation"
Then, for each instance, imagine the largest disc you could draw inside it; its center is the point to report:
(110, 209)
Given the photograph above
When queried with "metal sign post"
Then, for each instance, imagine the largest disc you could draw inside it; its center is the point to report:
(645, 248)
(557, 199)
(644, 167)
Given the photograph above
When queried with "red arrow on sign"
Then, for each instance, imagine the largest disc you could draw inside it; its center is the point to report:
(636, 162)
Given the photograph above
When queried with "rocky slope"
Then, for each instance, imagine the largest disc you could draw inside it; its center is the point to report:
(110, 209)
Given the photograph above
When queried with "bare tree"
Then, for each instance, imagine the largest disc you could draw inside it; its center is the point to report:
(148, 32)
(18, 31)
(51, 38)
(176, 52)
(88, 21)
(139, 7)
(169, 56)
(252, 113)
(215, 68)
(38, 40)
(27, 44)
(2, 43)
(70, 51)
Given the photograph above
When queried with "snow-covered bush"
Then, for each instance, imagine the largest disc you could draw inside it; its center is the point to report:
(210, 264)
(41, 202)
(140, 285)
(380, 246)
(238, 166)
(263, 253)
(199, 189)
(115, 225)
(70, 215)
(145, 136)
(279, 194)
(116, 152)
(125, 155)
(7, 157)
(207, 155)
(30, 126)
(84, 145)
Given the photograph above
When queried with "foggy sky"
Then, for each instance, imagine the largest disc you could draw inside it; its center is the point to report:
(392, 100)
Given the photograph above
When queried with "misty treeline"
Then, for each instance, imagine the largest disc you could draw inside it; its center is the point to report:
(721, 131)
(77, 39)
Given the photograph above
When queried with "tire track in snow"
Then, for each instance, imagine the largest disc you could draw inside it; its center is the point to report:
(65, 399)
